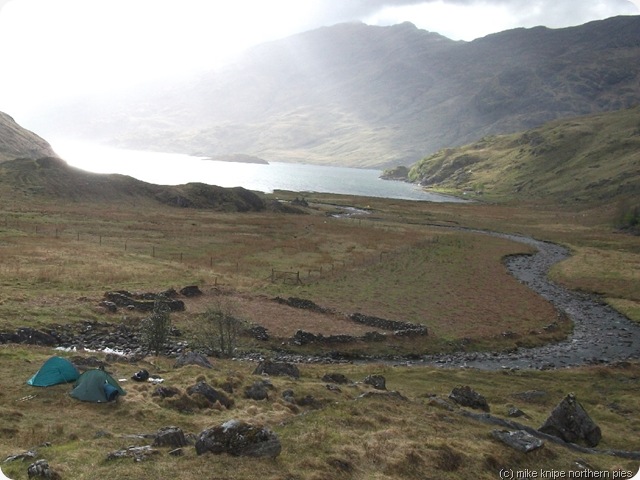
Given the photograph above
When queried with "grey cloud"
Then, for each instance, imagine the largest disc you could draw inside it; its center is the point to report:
(584, 10)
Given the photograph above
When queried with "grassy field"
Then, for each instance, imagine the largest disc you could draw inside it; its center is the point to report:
(399, 260)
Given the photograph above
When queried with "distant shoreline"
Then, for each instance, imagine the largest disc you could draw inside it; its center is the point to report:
(237, 158)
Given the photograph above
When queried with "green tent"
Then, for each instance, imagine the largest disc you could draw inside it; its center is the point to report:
(53, 371)
(96, 386)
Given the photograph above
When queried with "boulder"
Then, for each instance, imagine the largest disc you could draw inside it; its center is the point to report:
(257, 391)
(41, 469)
(165, 392)
(519, 440)
(210, 393)
(570, 422)
(467, 397)
(277, 369)
(190, 291)
(376, 381)
(239, 438)
(170, 437)
(192, 358)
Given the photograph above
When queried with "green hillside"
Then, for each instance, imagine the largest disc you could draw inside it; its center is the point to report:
(592, 159)
(51, 177)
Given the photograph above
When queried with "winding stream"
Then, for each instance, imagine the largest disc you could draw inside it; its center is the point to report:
(601, 334)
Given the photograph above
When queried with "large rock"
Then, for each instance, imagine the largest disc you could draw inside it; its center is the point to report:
(277, 369)
(41, 469)
(170, 437)
(192, 358)
(210, 393)
(259, 390)
(467, 397)
(570, 422)
(239, 438)
(376, 381)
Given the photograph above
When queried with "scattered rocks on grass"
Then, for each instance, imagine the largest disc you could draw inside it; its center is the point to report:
(239, 438)
(138, 454)
(570, 422)
(28, 455)
(467, 397)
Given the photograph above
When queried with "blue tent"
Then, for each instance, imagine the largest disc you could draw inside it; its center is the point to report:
(53, 371)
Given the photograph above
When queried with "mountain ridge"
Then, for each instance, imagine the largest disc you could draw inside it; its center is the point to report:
(357, 95)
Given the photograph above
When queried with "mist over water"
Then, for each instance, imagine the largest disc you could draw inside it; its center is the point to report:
(176, 169)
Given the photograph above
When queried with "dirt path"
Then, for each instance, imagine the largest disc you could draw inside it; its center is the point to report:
(601, 334)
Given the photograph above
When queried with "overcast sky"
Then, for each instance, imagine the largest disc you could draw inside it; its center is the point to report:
(55, 49)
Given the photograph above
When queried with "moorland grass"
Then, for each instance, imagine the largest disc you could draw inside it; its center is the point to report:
(339, 435)
(386, 261)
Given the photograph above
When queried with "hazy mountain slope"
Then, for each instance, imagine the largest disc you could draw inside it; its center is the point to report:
(593, 158)
(17, 142)
(359, 95)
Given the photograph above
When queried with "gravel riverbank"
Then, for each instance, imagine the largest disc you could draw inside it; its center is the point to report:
(601, 334)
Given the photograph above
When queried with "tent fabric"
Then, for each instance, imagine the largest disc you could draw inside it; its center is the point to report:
(54, 371)
(96, 386)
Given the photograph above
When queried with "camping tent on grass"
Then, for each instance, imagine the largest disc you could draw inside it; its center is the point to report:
(53, 371)
(96, 386)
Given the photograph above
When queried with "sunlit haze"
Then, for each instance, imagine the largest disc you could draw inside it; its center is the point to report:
(53, 50)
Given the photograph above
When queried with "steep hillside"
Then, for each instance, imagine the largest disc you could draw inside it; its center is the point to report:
(17, 142)
(593, 158)
(360, 95)
(50, 177)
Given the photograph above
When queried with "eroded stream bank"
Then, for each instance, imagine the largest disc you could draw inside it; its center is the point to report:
(601, 334)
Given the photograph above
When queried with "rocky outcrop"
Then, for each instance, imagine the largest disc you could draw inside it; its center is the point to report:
(239, 438)
(467, 397)
(518, 440)
(192, 358)
(570, 422)
(170, 437)
(210, 393)
(41, 469)
(268, 367)
(376, 381)
(259, 390)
